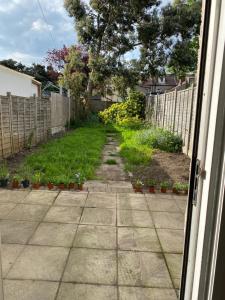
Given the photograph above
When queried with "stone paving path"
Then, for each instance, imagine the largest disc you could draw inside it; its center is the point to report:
(110, 244)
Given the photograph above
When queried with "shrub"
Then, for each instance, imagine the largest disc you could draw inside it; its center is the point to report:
(130, 122)
(161, 139)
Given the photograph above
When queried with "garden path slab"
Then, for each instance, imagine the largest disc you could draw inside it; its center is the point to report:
(26, 212)
(137, 293)
(99, 216)
(40, 197)
(63, 214)
(71, 199)
(7, 196)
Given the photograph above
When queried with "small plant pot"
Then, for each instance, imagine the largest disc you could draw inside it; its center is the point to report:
(137, 189)
(15, 184)
(71, 186)
(61, 186)
(163, 190)
(175, 191)
(36, 186)
(50, 186)
(186, 192)
(152, 189)
(25, 183)
(4, 183)
(80, 187)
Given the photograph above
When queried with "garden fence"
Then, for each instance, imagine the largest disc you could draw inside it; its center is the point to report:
(25, 122)
(174, 111)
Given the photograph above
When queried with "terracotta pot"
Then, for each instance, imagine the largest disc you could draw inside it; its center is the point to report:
(71, 186)
(15, 184)
(80, 187)
(163, 190)
(152, 189)
(175, 191)
(36, 186)
(185, 192)
(61, 186)
(137, 189)
(50, 186)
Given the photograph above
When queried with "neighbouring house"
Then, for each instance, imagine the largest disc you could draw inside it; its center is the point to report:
(18, 83)
(158, 85)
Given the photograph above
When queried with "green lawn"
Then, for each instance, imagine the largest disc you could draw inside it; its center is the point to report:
(78, 151)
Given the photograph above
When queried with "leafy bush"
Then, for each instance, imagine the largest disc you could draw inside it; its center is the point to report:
(161, 139)
(130, 122)
(132, 107)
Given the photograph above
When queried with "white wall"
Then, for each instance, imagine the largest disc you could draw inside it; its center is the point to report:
(16, 83)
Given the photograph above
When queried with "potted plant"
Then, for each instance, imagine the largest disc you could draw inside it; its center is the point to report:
(164, 186)
(36, 180)
(152, 185)
(50, 183)
(4, 176)
(26, 177)
(177, 188)
(71, 185)
(138, 186)
(185, 188)
(79, 180)
(16, 181)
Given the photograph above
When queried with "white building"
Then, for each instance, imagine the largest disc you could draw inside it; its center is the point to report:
(17, 83)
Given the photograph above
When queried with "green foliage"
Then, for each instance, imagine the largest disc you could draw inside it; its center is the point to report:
(161, 139)
(4, 173)
(138, 183)
(111, 162)
(124, 113)
(79, 178)
(36, 178)
(152, 182)
(164, 185)
(77, 152)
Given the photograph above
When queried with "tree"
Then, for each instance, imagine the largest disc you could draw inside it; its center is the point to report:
(56, 58)
(107, 31)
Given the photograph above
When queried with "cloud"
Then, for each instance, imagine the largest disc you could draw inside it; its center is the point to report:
(40, 25)
(26, 36)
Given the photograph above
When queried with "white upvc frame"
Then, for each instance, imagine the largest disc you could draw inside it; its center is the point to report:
(206, 215)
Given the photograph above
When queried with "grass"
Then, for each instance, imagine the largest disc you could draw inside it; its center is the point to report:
(111, 162)
(77, 152)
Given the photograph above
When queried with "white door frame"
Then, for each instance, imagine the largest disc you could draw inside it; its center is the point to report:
(206, 215)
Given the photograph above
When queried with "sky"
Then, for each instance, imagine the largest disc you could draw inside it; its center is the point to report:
(26, 35)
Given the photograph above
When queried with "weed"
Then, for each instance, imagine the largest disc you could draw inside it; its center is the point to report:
(111, 162)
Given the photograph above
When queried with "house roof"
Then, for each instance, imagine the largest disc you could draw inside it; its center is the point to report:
(169, 80)
(20, 74)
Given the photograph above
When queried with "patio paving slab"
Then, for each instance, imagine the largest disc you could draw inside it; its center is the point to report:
(132, 203)
(168, 220)
(40, 197)
(26, 212)
(16, 232)
(171, 240)
(7, 196)
(70, 291)
(99, 216)
(163, 205)
(182, 205)
(91, 266)
(135, 293)
(63, 214)
(101, 237)
(101, 200)
(5, 209)
(39, 263)
(174, 262)
(143, 269)
(9, 253)
(140, 239)
(29, 290)
(71, 199)
(134, 218)
(54, 234)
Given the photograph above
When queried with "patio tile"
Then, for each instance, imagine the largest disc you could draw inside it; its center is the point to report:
(134, 218)
(17, 232)
(141, 239)
(40, 263)
(119, 184)
(143, 269)
(135, 202)
(182, 205)
(70, 291)
(112, 189)
(29, 290)
(135, 293)
(9, 253)
(5, 209)
(174, 262)
(7, 196)
(40, 197)
(171, 240)
(102, 237)
(63, 214)
(95, 186)
(99, 216)
(163, 205)
(54, 234)
(28, 212)
(101, 200)
(71, 199)
(166, 196)
(168, 220)
(91, 266)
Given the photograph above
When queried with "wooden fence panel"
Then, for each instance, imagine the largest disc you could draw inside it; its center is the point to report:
(174, 111)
